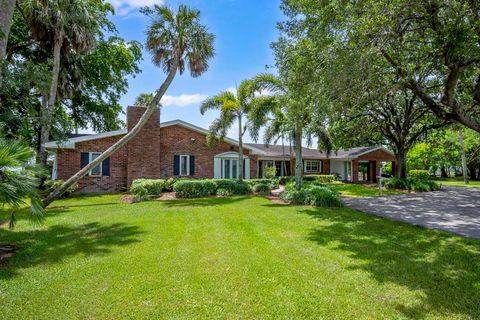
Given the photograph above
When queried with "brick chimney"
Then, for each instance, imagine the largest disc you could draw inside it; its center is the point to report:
(144, 149)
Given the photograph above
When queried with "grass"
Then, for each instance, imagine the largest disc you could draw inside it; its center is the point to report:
(359, 190)
(458, 182)
(230, 258)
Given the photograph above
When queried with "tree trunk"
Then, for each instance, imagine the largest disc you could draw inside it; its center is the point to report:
(443, 171)
(120, 143)
(48, 110)
(6, 15)
(298, 156)
(401, 162)
(240, 148)
(464, 160)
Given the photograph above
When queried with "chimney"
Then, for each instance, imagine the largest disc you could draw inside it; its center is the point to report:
(144, 149)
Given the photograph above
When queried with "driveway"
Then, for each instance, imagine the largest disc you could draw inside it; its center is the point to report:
(453, 209)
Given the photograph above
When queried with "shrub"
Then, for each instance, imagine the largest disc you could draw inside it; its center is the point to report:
(194, 188)
(224, 192)
(52, 185)
(294, 196)
(285, 179)
(419, 174)
(153, 187)
(262, 188)
(269, 172)
(411, 184)
(273, 183)
(322, 178)
(321, 196)
(232, 186)
(168, 185)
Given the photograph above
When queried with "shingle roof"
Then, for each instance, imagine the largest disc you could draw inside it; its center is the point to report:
(277, 151)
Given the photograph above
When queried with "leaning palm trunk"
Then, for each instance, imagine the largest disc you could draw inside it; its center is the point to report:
(48, 109)
(120, 143)
(6, 14)
(240, 148)
(298, 156)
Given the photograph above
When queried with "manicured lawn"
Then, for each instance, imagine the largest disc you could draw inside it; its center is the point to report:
(458, 182)
(233, 258)
(358, 190)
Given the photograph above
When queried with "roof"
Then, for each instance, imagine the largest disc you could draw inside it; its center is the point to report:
(308, 153)
(70, 143)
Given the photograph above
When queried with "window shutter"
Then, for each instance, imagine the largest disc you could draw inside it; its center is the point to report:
(84, 159)
(192, 165)
(176, 165)
(106, 167)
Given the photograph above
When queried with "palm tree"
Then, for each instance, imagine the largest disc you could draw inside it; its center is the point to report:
(18, 179)
(176, 41)
(143, 99)
(233, 108)
(63, 26)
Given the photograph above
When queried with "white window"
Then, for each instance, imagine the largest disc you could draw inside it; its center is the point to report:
(97, 171)
(229, 168)
(312, 166)
(184, 165)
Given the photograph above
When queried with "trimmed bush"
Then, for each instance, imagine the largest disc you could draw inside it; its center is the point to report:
(145, 188)
(194, 188)
(232, 186)
(224, 192)
(262, 188)
(285, 179)
(52, 185)
(321, 196)
(294, 196)
(419, 174)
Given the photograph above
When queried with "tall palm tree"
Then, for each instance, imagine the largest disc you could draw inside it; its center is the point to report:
(143, 99)
(18, 179)
(177, 41)
(62, 25)
(233, 108)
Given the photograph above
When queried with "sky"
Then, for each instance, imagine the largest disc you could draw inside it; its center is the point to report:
(244, 30)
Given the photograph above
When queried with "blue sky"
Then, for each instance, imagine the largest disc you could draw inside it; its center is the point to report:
(244, 30)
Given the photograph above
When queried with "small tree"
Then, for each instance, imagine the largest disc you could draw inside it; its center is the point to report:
(233, 108)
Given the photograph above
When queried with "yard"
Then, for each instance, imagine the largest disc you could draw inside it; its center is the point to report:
(458, 182)
(235, 257)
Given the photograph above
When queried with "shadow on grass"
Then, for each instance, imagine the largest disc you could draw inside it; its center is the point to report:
(52, 245)
(444, 268)
(204, 202)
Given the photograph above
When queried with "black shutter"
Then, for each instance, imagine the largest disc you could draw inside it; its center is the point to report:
(106, 167)
(192, 165)
(84, 159)
(176, 165)
(243, 168)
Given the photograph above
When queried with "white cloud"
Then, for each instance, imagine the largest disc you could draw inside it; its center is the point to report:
(125, 7)
(232, 90)
(183, 99)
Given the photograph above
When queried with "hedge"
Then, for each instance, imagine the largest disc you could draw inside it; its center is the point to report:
(411, 184)
(142, 188)
(231, 187)
(262, 188)
(322, 178)
(194, 188)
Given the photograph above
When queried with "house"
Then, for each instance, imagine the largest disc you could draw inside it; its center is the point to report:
(178, 149)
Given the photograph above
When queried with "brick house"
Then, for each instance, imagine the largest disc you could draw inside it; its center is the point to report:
(178, 149)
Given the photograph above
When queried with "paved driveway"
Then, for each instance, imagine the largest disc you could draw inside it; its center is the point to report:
(453, 209)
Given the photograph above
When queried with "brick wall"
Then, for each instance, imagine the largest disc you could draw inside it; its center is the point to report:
(178, 140)
(68, 163)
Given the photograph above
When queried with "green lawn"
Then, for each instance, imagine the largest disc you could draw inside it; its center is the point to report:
(458, 182)
(233, 258)
(359, 190)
